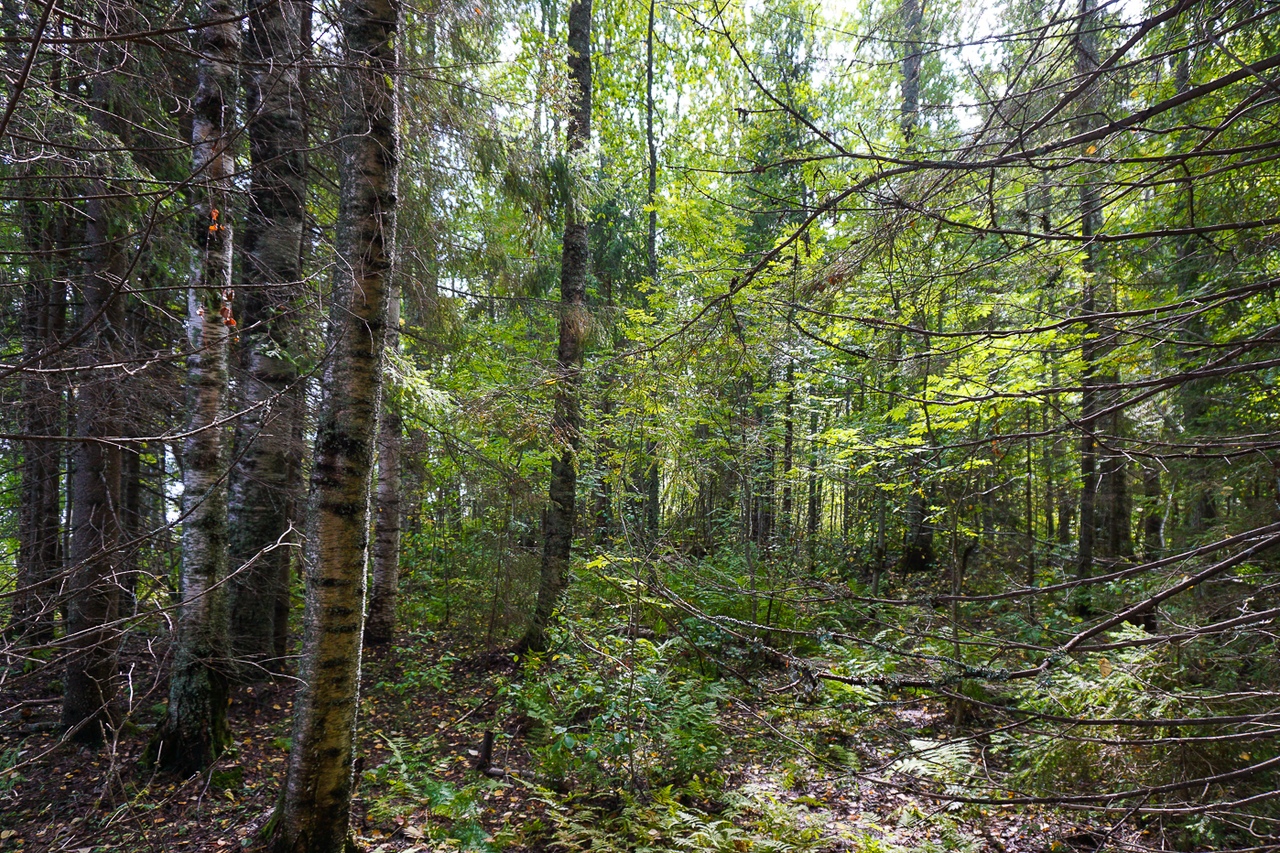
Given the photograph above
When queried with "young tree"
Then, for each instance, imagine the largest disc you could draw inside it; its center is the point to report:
(566, 424)
(314, 809)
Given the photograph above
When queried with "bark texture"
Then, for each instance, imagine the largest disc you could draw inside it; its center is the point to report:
(653, 471)
(566, 422)
(264, 481)
(88, 705)
(1090, 349)
(314, 811)
(195, 730)
(44, 309)
(380, 625)
(912, 20)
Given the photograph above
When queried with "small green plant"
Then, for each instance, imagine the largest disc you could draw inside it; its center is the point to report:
(618, 711)
(411, 792)
(425, 668)
(753, 821)
(9, 776)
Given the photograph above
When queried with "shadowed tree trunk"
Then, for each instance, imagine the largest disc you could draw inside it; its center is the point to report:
(1194, 396)
(566, 423)
(94, 601)
(653, 471)
(44, 310)
(268, 466)
(195, 731)
(1086, 61)
(313, 815)
(381, 622)
(912, 21)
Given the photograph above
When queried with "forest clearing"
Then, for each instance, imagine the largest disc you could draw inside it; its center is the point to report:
(722, 425)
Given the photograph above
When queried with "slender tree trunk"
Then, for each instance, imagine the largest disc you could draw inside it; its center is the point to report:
(268, 467)
(381, 622)
(1194, 395)
(653, 471)
(92, 633)
(314, 811)
(789, 456)
(131, 529)
(195, 731)
(814, 517)
(566, 423)
(912, 20)
(39, 514)
(1152, 513)
(1090, 351)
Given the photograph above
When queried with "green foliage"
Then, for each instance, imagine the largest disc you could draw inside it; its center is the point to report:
(1146, 682)
(753, 821)
(423, 671)
(616, 711)
(9, 759)
(411, 792)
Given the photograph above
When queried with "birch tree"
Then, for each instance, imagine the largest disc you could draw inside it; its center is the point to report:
(314, 810)
(268, 461)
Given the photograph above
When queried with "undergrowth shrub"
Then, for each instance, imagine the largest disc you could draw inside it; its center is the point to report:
(410, 792)
(423, 666)
(753, 821)
(1198, 680)
(614, 710)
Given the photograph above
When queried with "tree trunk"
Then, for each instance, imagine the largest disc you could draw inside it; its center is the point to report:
(131, 525)
(44, 311)
(92, 633)
(380, 625)
(814, 516)
(314, 811)
(268, 467)
(566, 423)
(653, 471)
(1086, 61)
(912, 20)
(195, 731)
(1196, 475)
(1152, 513)
(788, 454)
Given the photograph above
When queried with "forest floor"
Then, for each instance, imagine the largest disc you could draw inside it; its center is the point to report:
(419, 790)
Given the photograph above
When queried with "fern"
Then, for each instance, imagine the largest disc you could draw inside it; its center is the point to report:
(938, 761)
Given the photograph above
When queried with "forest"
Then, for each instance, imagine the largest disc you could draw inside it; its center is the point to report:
(730, 426)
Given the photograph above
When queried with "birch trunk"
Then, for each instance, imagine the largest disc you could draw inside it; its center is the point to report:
(314, 811)
(381, 623)
(195, 731)
(269, 437)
